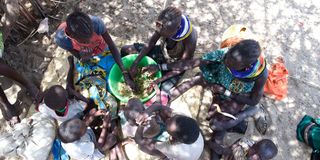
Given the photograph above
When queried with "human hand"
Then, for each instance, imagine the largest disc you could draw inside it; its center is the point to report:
(151, 69)
(11, 115)
(217, 89)
(143, 119)
(153, 86)
(128, 80)
(101, 113)
(133, 70)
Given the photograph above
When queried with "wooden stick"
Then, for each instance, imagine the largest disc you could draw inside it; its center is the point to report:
(28, 15)
(39, 8)
(165, 4)
(57, 1)
(33, 32)
(22, 26)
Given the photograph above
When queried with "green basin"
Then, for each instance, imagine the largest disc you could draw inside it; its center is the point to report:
(116, 76)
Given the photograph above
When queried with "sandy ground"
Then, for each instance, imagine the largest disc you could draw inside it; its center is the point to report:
(284, 28)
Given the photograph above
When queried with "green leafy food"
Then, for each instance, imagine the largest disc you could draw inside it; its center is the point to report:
(142, 80)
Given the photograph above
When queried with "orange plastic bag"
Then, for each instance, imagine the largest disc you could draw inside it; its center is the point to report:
(277, 82)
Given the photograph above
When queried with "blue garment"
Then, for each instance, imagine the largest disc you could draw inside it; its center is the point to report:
(63, 41)
(58, 152)
(92, 76)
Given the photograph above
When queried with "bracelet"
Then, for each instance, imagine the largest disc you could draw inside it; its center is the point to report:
(227, 93)
(164, 67)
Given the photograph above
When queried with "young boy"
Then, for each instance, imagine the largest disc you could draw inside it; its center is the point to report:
(87, 39)
(247, 149)
(79, 141)
(57, 105)
(226, 117)
(186, 141)
(178, 42)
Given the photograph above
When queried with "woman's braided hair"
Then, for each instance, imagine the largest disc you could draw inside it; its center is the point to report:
(79, 25)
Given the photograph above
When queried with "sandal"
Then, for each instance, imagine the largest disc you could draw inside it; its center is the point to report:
(262, 119)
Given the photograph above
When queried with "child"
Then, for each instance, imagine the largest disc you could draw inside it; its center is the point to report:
(57, 105)
(135, 113)
(87, 39)
(225, 117)
(247, 149)
(79, 141)
(9, 111)
(179, 41)
(186, 141)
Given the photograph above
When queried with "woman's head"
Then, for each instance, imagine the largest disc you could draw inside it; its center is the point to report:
(56, 98)
(71, 130)
(242, 55)
(79, 26)
(262, 150)
(183, 129)
(168, 22)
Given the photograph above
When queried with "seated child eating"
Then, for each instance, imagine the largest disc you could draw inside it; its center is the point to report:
(135, 113)
(79, 141)
(186, 141)
(178, 42)
(226, 117)
(57, 105)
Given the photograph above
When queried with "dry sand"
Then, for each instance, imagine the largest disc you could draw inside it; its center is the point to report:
(284, 28)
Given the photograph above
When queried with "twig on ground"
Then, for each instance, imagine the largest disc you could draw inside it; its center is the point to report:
(55, 18)
(27, 14)
(39, 7)
(33, 32)
(22, 26)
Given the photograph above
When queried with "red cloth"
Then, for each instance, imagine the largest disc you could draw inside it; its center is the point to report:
(277, 82)
(97, 44)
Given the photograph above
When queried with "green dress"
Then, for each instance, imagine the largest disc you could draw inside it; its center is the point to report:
(308, 131)
(218, 73)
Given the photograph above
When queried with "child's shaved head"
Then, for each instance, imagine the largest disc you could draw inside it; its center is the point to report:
(133, 109)
(56, 97)
(71, 130)
(265, 149)
(184, 129)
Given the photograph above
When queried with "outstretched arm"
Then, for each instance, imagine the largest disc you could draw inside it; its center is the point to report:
(145, 50)
(117, 57)
(145, 144)
(224, 125)
(70, 87)
(251, 98)
(9, 72)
